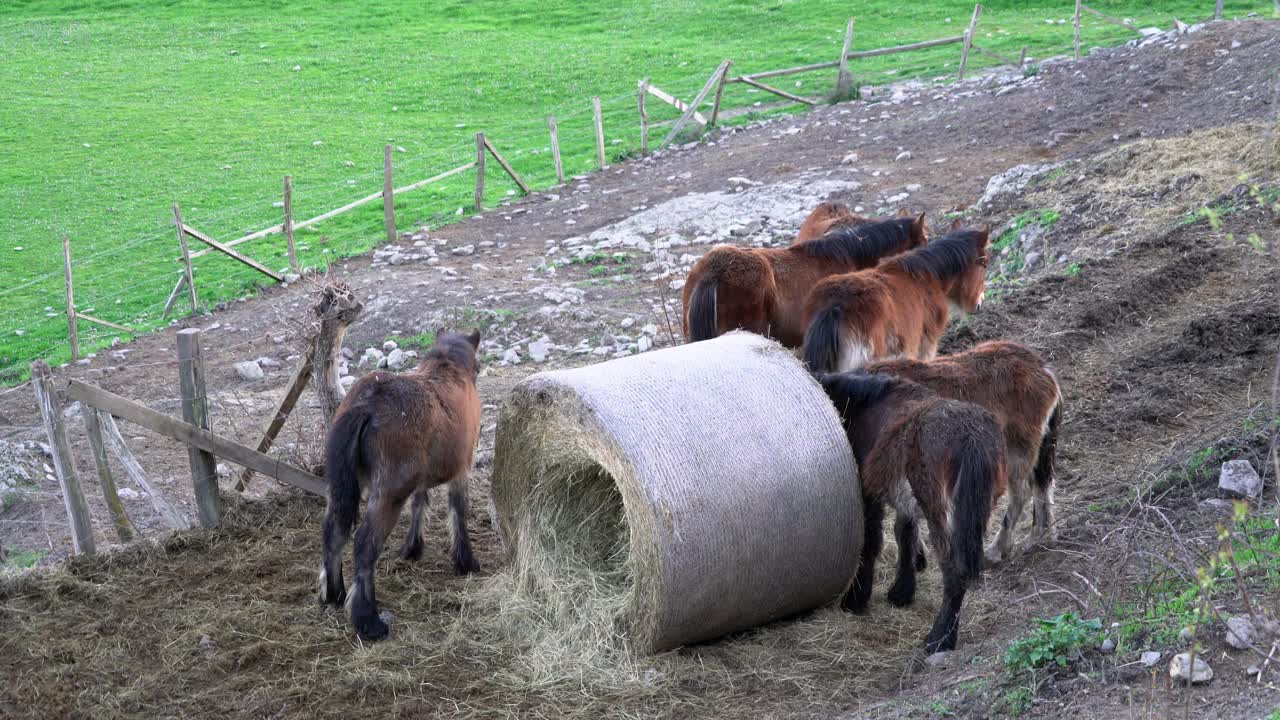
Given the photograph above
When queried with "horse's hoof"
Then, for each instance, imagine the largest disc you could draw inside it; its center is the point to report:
(993, 558)
(411, 551)
(922, 562)
(466, 566)
(372, 629)
(900, 597)
(856, 606)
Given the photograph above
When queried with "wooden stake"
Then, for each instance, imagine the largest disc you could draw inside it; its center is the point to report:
(479, 199)
(92, 319)
(506, 166)
(186, 256)
(223, 248)
(599, 123)
(195, 411)
(288, 223)
(388, 195)
(844, 81)
(555, 148)
(173, 296)
(968, 40)
(124, 530)
(1075, 21)
(715, 106)
(72, 330)
(675, 102)
(1217, 10)
(782, 93)
(275, 422)
(693, 106)
(133, 469)
(644, 115)
(187, 433)
(64, 463)
(1022, 59)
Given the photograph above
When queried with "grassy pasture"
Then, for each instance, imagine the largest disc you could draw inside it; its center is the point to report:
(116, 108)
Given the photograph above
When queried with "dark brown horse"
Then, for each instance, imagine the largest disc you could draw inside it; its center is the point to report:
(763, 290)
(398, 436)
(898, 308)
(934, 459)
(1017, 387)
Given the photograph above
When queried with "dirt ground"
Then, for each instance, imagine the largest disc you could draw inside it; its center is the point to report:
(1163, 334)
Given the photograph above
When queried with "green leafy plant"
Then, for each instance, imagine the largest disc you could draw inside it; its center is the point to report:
(1055, 641)
(1073, 269)
(1031, 70)
(25, 558)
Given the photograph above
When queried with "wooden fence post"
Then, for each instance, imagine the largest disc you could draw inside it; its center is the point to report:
(1022, 59)
(186, 256)
(599, 122)
(72, 330)
(715, 106)
(120, 519)
(555, 148)
(697, 100)
(288, 223)
(479, 199)
(1217, 10)
(844, 81)
(388, 195)
(644, 116)
(64, 463)
(133, 469)
(968, 39)
(195, 411)
(1075, 21)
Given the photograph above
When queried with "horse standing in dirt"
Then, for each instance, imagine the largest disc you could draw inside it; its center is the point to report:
(932, 458)
(826, 217)
(1019, 389)
(397, 436)
(763, 290)
(898, 308)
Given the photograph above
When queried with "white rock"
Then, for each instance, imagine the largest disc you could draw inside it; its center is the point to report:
(1240, 633)
(650, 329)
(627, 322)
(538, 350)
(849, 159)
(267, 362)
(463, 250)
(904, 155)
(1107, 646)
(396, 359)
(644, 343)
(372, 356)
(1239, 479)
(1150, 658)
(128, 493)
(249, 371)
(938, 659)
(389, 345)
(511, 357)
(347, 382)
(1180, 670)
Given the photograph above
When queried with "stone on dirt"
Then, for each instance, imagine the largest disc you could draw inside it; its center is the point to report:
(1241, 633)
(396, 359)
(538, 350)
(1181, 670)
(249, 371)
(1150, 658)
(1239, 479)
(372, 356)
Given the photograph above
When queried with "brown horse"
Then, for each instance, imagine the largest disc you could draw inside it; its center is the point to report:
(396, 436)
(763, 290)
(826, 217)
(899, 307)
(1016, 386)
(934, 459)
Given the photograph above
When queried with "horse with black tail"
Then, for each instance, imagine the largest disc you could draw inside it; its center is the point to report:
(397, 436)
(937, 460)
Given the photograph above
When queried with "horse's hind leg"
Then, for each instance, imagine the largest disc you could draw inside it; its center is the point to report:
(1042, 529)
(1002, 548)
(873, 538)
(463, 560)
(380, 518)
(339, 517)
(903, 590)
(412, 548)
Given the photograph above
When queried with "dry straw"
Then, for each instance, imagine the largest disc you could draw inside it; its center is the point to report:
(677, 496)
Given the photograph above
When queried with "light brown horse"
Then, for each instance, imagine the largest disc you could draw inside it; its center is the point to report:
(898, 308)
(397, 436)
(763, 290)
(1017, 387)
(934, 459)
(827, 216)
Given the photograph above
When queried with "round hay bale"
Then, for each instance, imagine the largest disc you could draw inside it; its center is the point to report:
(679, 495)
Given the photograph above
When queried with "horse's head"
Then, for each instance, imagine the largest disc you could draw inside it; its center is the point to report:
(457, 349)
(970, 286)
(919, 232)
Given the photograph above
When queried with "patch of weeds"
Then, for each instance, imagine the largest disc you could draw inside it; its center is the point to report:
(422, 341)
(941, 709)
(600, 271)
(623, 155)
(1055, 641)
(836, 96)
(482, 320)
(1072, 270)
(1031, 70)
(1044, 217)
(25, 558)
(1050, 177)
(1016, 700)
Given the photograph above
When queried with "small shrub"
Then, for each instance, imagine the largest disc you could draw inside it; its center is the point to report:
(1031, 70)
(1073, 269)
(1056, 641)
(25, 558)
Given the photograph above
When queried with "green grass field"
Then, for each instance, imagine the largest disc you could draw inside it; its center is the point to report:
(115, 109)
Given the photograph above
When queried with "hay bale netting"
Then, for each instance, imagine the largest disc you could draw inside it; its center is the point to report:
(679, 495)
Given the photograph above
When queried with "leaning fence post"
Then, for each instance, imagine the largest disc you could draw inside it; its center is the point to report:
(72, 330)
(479, 199)
(288, 223)
(555, 148)
(844, 81)
(195, 410)
(1075, 21)
(388, 195)
(64, 463)
(715, 106)
(968, 40)
(186, 255)
(1217, 10)
(644, 116)
(599, 123)
(120, 519)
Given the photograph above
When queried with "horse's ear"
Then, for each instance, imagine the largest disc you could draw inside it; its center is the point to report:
(986, 233)
(474, 338)
(918, 223)
(903, 212)
(955, 225)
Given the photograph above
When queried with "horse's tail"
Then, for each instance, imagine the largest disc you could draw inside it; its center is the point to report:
(1043, 476)
(822, 339)
(703, 312)
(978, 471)
(347, 458)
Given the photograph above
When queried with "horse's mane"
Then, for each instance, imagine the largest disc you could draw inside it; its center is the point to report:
(941, 259)
(860, 244)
